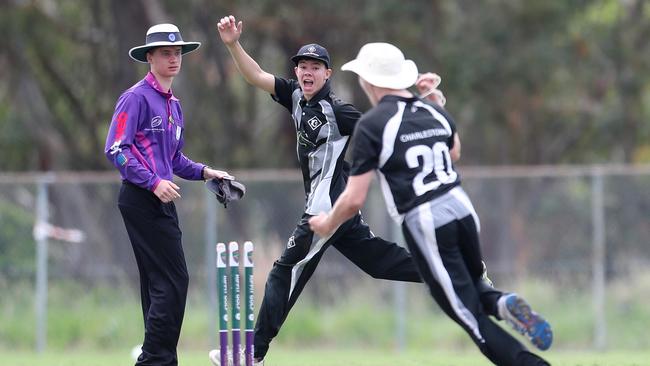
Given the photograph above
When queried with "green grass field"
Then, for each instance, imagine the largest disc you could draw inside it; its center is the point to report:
(356, 330)
(330, 357)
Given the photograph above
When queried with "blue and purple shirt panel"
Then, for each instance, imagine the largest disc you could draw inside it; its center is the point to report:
(145, 139)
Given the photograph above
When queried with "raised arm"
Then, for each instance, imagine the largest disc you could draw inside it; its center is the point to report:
(230, 30)
(455, 151)
(427, 85)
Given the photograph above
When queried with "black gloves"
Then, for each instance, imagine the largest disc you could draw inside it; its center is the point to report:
(226, 190)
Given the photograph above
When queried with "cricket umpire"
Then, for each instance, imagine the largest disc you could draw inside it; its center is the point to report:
(411, 145)
(145, 142)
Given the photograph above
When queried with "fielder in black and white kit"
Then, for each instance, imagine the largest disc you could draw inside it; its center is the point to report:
(411, 145)
(323, 126)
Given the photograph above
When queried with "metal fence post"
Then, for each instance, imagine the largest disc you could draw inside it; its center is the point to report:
(40, 296)
(598, 259)
(210, 260)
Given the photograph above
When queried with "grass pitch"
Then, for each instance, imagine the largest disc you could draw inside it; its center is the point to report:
(329, 357)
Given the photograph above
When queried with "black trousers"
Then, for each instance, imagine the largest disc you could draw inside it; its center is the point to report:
(379, 258)
(155, 236)
(449, 258)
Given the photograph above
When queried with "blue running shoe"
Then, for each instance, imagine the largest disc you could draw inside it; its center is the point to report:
(516, 312)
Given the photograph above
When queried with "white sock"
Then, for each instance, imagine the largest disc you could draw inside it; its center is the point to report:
(501, 306)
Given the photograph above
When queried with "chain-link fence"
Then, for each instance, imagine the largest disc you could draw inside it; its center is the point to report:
(572, 239)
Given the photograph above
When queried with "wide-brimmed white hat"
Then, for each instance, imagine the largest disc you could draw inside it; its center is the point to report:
(162, 35)
(382, 64)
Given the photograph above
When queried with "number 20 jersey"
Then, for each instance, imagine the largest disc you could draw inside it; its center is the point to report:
(408, 142)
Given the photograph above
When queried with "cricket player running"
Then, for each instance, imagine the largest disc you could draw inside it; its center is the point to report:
(323, 126)
(412, 145)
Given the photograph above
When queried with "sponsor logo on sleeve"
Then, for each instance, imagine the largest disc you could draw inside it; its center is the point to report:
(178, 132)
(115, 148)
(121, 119)
(121, 159)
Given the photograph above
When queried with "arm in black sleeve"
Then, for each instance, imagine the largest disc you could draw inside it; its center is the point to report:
(366, 147)
(450, 119)
(284, 88)
(347, 116)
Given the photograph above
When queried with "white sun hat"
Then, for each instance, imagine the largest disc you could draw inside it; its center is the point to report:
(162, 35)
(383, 65)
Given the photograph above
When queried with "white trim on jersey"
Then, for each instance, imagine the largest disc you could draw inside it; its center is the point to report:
(461, 196)
(316, 185)
(319, 199)
(296, 271)
(295, 97)
(388, 198)
(437, 115)
(432, 255)
(296, 122)
(390, 134)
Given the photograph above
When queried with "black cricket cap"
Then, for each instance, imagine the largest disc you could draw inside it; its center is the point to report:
(312, 51)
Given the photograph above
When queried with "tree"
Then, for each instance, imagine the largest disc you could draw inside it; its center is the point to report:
(528, 82)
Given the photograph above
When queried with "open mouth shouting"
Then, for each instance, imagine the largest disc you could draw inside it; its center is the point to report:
(307, 84)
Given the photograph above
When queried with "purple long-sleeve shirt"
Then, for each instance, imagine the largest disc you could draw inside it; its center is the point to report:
(145, 139)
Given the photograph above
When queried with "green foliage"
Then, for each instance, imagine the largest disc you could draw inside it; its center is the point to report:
(89, 317)
(16, 314)
(102, 316)
(17, 248)
(307, 324)
(528, 82)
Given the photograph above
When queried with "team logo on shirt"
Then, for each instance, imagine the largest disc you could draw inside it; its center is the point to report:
(303, 139)
(314, 123)
(156, 121)
(291, 243)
